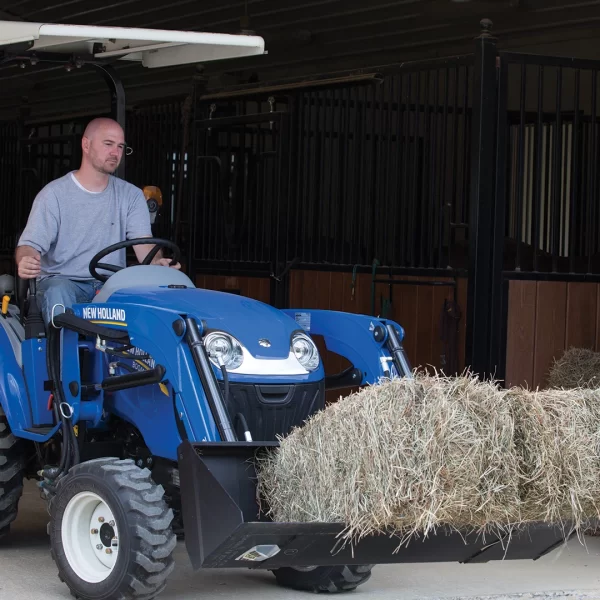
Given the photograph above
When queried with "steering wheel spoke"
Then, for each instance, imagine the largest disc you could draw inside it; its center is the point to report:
(107, 267)
(158, 243)
(150, 256)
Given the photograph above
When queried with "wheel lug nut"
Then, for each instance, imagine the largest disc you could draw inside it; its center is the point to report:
(98, 546)
(101, 519)
(108, 551)
(112, 523)
(94, 532)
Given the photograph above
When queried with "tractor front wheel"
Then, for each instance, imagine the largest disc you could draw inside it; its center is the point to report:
(333, 580)
(110, 531)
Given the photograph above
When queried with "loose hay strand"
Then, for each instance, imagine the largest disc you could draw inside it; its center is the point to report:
(409, 456)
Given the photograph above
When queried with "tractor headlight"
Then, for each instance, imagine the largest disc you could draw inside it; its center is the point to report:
(305, 351)
(224, 349)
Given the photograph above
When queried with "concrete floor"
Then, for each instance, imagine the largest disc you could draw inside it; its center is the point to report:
(27, 573)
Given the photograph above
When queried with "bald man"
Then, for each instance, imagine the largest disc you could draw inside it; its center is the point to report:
(76, 216)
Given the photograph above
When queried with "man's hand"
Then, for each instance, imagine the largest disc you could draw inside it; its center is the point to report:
(142, 251)
(28, 262)
(165, 262)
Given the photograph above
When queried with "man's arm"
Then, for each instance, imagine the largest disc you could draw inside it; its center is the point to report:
(39, 234)
(138, 226)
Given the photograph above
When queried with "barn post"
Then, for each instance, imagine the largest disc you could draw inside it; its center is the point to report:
(482, 205)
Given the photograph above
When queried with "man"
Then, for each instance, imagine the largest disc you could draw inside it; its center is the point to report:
(79, 214)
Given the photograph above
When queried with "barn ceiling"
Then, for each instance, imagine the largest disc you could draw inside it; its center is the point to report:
(303, 38)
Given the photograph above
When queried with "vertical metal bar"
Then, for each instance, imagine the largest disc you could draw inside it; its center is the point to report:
(593, 178)
(497, 319)
(423, 212)
(388, 205)
(395, 195)
(456, 210)
(344, 176)
(520, 170)
(405, 177)
(537, 214)
(336, 172)
(444, 213)
(573, 234)
(414, 176)
(467, 142)
(435, 212)
(482, 208)
(556, 175)
(378, 228)
(370, 136)
(117, 96)
(265, 203)
(301, 206)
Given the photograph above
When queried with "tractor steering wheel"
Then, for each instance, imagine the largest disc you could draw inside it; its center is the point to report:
(159, 243)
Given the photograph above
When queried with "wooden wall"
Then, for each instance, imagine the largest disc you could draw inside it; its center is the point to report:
(545, 319)
(416, 308)
(258, 288)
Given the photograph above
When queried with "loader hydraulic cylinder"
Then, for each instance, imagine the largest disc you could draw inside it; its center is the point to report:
(209, 382)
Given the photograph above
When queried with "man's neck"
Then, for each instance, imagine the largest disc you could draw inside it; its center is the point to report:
(91, 179)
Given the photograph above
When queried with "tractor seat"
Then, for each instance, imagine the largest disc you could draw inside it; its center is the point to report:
(142, 276)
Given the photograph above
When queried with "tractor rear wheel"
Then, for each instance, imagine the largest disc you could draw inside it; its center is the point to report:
(333, 580)
(110, 531)
(12, 466)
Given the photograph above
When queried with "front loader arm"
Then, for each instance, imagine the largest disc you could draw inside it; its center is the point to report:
(372, 345)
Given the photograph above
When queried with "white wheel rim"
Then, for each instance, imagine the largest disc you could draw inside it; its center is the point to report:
(90, 537)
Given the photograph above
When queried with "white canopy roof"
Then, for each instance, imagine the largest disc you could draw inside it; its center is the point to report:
(151, 47)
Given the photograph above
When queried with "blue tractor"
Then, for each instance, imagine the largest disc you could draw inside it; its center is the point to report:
(137, 414)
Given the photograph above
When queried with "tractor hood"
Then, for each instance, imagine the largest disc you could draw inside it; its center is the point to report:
(249, 321)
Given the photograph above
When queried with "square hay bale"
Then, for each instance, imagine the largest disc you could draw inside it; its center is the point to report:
(576, 368)
(410, 455)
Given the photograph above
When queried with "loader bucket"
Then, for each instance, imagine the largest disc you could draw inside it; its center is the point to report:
(225, 528)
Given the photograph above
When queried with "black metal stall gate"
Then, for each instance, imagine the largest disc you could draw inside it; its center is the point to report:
(534, 191)
(480, 166)
(372, 169)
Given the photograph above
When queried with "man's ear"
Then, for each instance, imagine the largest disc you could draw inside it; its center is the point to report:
(85, 144)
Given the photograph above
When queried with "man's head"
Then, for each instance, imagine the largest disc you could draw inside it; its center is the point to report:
(103, 145)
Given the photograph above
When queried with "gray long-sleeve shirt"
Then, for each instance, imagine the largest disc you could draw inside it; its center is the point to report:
(68, 225)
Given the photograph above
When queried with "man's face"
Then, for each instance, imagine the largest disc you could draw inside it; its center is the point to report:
(105, 149)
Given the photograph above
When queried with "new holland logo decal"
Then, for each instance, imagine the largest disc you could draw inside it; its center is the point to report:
(104, 313)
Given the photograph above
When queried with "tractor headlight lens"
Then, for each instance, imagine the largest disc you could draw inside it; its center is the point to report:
(305, 351)
(224, 349)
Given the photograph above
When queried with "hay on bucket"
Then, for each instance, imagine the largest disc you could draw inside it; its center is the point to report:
(576, 368)
(558, 439)
(410, 455)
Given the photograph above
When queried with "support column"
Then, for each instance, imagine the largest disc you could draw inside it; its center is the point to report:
(117, 101)
(482, 203)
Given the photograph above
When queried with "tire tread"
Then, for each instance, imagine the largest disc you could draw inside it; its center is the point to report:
(12, 470)
(149, 525)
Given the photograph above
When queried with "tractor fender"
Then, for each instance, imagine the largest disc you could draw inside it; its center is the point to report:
(13, 392)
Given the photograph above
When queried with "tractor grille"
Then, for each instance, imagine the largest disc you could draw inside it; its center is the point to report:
(272, 410)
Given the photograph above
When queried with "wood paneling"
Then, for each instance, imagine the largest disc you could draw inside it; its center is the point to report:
(258, 288)
(520, 339)
(417, 308)
(545, 319)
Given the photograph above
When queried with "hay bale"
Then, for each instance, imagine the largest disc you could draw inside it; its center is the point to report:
(558, 439)
(409, 456)
(576, 368)
(406, 455)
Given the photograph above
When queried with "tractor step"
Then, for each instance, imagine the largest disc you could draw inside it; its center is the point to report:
(41, 429)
